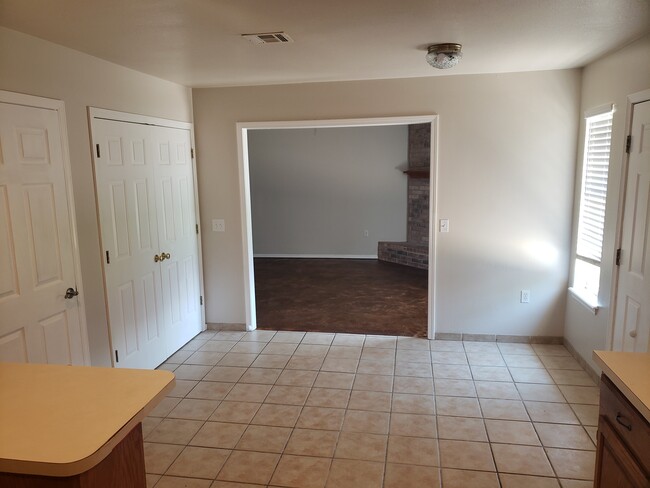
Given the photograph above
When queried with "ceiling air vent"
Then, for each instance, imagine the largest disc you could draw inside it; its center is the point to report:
(268, 38)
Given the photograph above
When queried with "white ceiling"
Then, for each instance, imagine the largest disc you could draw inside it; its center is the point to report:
(198, 42)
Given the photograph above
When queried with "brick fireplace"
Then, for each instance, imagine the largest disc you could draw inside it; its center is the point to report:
(414, 251)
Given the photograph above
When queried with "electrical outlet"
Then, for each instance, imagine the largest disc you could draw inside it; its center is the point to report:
(525, 296)
(365, 233)
(218, 225)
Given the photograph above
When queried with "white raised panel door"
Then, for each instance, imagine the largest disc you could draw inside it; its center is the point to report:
(632, 320)
(129, 233)
(177, 233)
(37, 324)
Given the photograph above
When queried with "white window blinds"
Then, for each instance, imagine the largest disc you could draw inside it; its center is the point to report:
(591, 224)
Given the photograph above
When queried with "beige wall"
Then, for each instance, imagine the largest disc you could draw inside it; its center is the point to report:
(609, 80)
(315, 191)
(36, 67)
(506, 172)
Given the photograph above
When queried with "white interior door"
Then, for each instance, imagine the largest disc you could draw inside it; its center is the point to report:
(632, 319)
(145, 190)
(37, 323)
(177, 230)
(129, 231)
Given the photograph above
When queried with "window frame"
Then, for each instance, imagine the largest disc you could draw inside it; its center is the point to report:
(590, 300)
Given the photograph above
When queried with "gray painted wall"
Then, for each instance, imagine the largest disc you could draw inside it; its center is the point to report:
(315, 191)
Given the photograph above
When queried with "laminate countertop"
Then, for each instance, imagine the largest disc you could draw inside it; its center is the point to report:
(630, 372)
(63, 420)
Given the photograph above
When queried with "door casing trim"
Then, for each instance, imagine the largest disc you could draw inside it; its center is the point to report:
(245, 200)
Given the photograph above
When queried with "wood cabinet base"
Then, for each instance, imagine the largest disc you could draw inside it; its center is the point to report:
(622, 455)
(123, 467)
(616, 466)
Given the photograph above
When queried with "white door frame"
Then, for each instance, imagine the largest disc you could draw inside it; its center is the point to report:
(59, 107)
(245, 195)
(102, 113)
(634, 98)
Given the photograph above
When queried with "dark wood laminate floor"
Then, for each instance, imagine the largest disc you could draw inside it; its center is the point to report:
(360, 296)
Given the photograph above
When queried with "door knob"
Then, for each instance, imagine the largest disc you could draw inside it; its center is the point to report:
(633, 334)
(162, 256)
(70, 293)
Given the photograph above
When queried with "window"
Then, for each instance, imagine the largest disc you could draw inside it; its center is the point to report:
(593, 196)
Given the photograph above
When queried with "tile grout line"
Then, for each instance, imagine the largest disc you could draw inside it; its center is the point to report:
(496, 467)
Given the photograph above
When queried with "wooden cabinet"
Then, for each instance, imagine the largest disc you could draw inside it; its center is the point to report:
(623, 456)
(123, 467)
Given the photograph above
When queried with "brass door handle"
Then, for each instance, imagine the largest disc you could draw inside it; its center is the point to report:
(163, 255)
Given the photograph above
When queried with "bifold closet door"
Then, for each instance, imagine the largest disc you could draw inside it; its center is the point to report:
(145, 193)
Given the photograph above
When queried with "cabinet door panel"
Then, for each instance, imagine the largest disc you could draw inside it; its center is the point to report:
(625, 420)
(615, 465)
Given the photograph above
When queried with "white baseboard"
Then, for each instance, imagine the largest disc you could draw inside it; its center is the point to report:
(317, 256)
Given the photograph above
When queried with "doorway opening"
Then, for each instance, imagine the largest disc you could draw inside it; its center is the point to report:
(397, 282)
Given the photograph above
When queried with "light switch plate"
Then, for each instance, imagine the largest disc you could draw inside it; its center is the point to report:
(444, 225)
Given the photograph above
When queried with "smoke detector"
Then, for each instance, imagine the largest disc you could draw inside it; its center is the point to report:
(268, 38)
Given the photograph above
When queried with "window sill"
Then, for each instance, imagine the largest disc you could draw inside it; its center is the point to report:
(585, 300)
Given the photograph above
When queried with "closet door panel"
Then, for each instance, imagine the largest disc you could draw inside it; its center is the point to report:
(129, 232)
(175, 191)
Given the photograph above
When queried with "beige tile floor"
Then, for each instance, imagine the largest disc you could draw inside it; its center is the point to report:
(315, 410)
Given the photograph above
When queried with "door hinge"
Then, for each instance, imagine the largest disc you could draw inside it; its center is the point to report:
(117, 357)
(97, 149)
(192, 152)
(618, 257)
(108, 258)
(628, 144)
(201, 300)
(197, 228)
